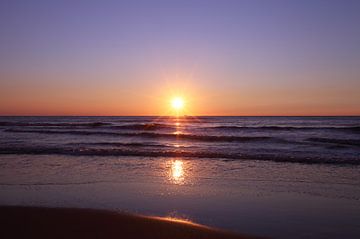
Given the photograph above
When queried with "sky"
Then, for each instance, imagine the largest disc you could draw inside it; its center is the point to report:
(223, 57)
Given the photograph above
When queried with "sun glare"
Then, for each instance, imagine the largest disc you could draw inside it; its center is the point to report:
(177, 174)
(177, 103)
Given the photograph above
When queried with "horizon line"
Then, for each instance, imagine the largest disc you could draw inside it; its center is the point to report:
(180, 116)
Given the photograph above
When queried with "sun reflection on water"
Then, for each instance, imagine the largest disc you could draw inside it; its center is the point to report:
(177, 167)
(177, 127)
(177, 174)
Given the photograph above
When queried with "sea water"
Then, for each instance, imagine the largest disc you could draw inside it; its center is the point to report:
(282, 177)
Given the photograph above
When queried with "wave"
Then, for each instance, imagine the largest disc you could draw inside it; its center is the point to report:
(351, 142)
(167, 119)
(118, 144)
(203, 138)
(71, 132)
(149, 126)
(170, 124)
(350, 128)
(176, 153)
(28, 124)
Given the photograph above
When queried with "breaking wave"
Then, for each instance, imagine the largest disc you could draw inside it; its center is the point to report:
(288, 128)
(30, 124)
(204, 138)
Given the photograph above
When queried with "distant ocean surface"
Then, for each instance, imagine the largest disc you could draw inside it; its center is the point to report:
(334, 140)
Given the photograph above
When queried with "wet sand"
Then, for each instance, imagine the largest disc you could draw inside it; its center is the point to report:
(41, 222)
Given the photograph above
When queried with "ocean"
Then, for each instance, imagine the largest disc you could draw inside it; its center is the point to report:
(333, 140)
(279, 177)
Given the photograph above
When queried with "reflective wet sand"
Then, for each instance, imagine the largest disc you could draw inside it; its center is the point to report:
(252, 197)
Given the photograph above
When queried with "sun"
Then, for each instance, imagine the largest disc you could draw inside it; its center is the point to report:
(177, 103)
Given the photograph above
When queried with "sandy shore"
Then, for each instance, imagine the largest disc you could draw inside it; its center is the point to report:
(33, 222)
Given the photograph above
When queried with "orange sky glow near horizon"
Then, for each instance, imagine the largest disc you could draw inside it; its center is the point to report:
(48, 96)
(155, 99)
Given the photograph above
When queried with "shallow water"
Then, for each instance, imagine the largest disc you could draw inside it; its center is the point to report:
(267, 194)
(274, 199)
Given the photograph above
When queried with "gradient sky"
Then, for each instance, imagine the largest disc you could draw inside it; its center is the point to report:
(225, 57)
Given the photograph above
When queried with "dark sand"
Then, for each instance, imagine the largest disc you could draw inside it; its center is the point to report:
(33, 222)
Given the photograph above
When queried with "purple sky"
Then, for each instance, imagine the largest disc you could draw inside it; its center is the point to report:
(226, 57)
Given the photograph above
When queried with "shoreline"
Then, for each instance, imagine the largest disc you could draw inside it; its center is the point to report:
(45, 222)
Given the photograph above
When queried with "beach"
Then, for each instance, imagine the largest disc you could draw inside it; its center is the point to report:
(180, 119)
(267, 199)
(32, 222)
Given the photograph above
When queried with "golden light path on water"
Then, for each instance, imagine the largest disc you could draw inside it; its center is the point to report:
(177, 174)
